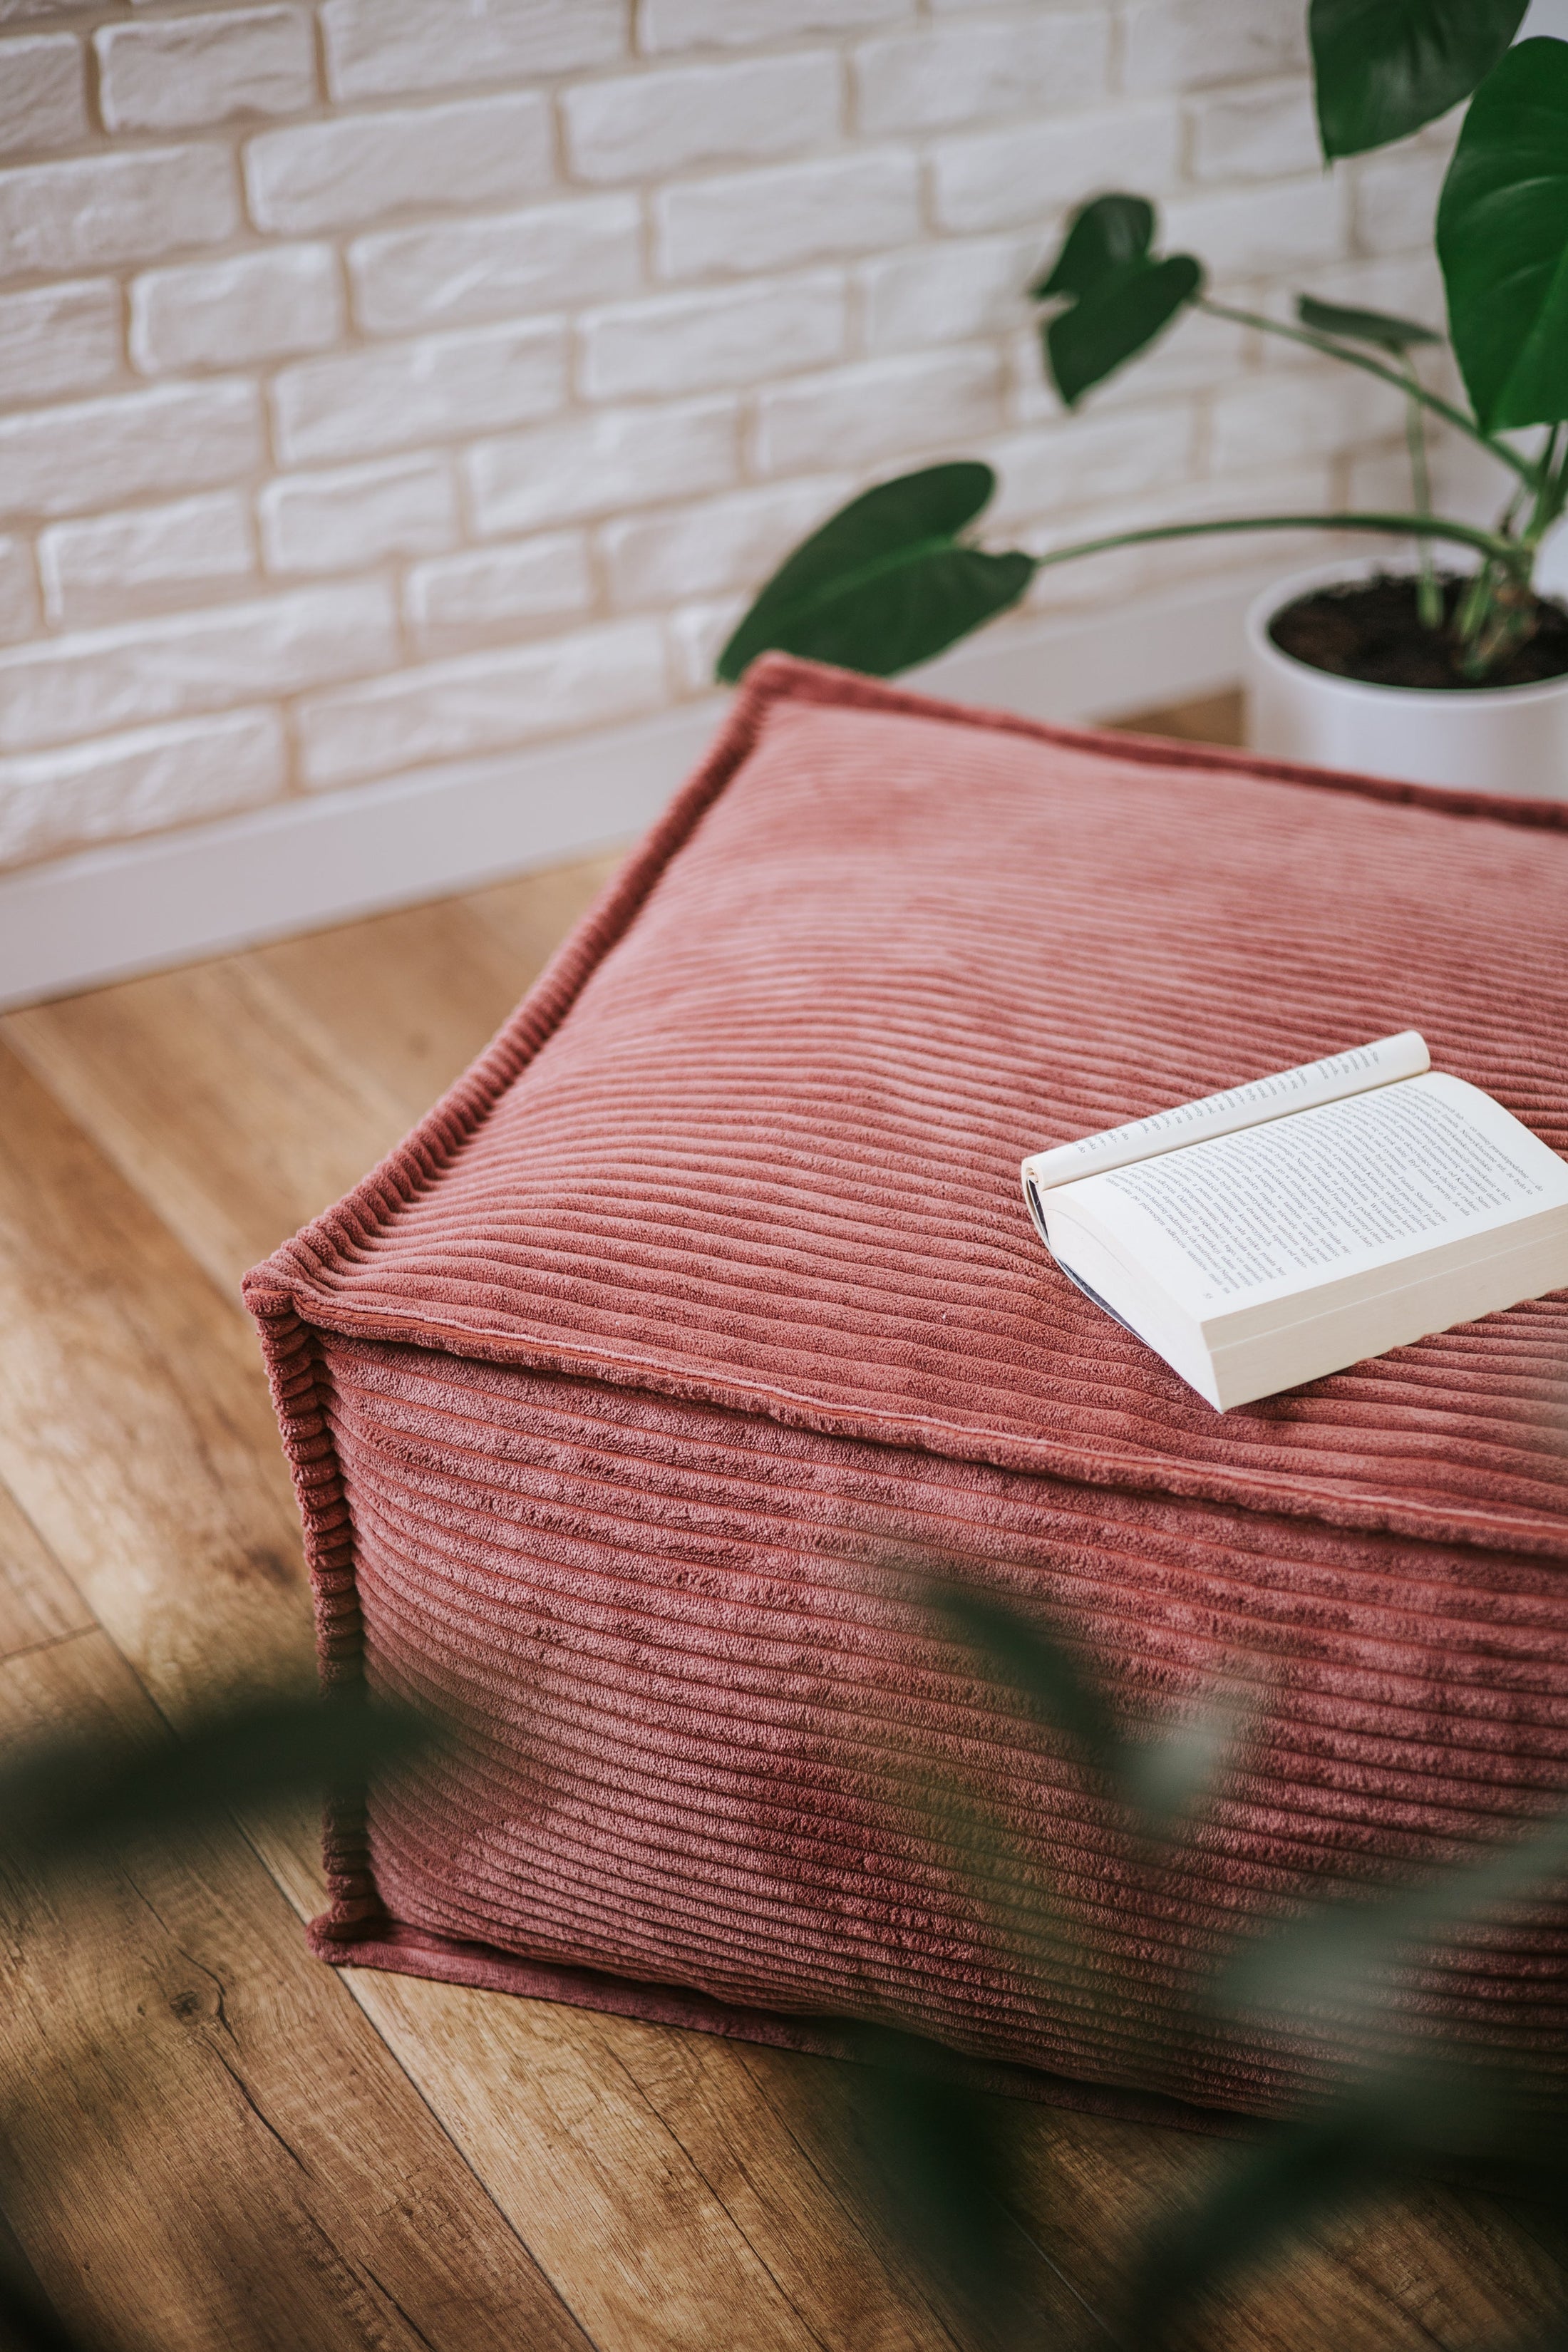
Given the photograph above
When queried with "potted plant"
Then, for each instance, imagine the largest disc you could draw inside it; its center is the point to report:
(1451, 672)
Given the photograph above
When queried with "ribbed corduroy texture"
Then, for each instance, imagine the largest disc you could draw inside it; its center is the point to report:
(625, 1398)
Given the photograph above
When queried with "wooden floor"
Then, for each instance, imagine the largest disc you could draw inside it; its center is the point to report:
(206, 2139)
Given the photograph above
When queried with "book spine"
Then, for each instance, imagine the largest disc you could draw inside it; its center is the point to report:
(1350, 1073)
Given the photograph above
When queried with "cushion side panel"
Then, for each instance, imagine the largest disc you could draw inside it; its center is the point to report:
(708, 1737)
(290, 1353)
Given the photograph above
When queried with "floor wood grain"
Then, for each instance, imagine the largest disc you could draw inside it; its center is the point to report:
(208, 2139)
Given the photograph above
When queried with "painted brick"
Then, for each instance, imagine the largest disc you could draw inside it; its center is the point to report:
(1191, 44)
(843, 418)
(354, 403)
(1265, 131)
(1464, 482)
(433, 438)
(59, 339)
(798, 212)
(107, 679)
(1378, 480)
(1051, 61)
(174, 73)
(1248, 231)
(19, 590)
(1126, 573)
(948, 291)
(266, 305)
(600, 464)
(381, 48)
(1311, 414)
(485, 702)
(1089, 461)
(697, 635)
(689, 342)
(647, 124)
(43, 92)
(1396, 200)
(117, 564)
(552, 257)
(97, 453)
(324, 175)
(126, 785)
(460, 601)
(339, 522)
(1005, 179)
(731, 542)
(102, 209)
(669, 25)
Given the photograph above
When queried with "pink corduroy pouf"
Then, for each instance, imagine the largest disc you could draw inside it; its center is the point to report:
(633, 1399)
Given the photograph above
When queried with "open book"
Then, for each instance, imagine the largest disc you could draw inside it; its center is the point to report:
(1291, 1227)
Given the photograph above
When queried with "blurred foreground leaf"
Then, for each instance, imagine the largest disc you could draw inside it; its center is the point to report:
(1160, 1778)
(1416, 2099)
(76, 1798)
(1338, 1961)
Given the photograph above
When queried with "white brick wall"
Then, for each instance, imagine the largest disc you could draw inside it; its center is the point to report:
(386, 383)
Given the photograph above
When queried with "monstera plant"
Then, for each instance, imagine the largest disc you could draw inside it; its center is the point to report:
(897, 575)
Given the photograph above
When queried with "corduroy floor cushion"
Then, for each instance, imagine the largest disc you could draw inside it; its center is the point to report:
(631, 1400)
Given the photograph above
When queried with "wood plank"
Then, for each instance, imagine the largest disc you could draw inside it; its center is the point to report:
(202, 1085)
(1213, 718)
(1427, 2266)
(204, 2142)
(244, 1096)
(411, 998)
(135, 1429)
(571, 2117)
(39, 1603)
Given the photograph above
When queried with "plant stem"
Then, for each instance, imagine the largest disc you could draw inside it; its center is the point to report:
(1509, 553)
(1528, 469)
(1550, 497)
(1429, 595)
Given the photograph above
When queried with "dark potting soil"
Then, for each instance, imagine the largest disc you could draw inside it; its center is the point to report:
(1370, 629)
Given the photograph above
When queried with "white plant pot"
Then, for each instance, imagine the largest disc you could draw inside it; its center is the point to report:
(1508, 738)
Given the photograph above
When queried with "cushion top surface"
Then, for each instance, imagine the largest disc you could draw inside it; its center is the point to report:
(756, 1137)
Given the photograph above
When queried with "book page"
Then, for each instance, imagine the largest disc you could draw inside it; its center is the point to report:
(1381, 1063)
(1335, 1190)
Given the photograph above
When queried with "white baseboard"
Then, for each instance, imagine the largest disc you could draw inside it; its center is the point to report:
(171, 898)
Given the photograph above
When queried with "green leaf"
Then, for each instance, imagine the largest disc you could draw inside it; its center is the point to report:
(1354, 326)
(1502, 239)
(1338, 1961)
(1111, 326)
(1116, 296)
(932, 2162)
(1383, 68)
(1164, 1778)
(1170, 1777)
(82, 1796)
(1296, 2176)
(886, 582)
(1031, 1658)
(1103, 235)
